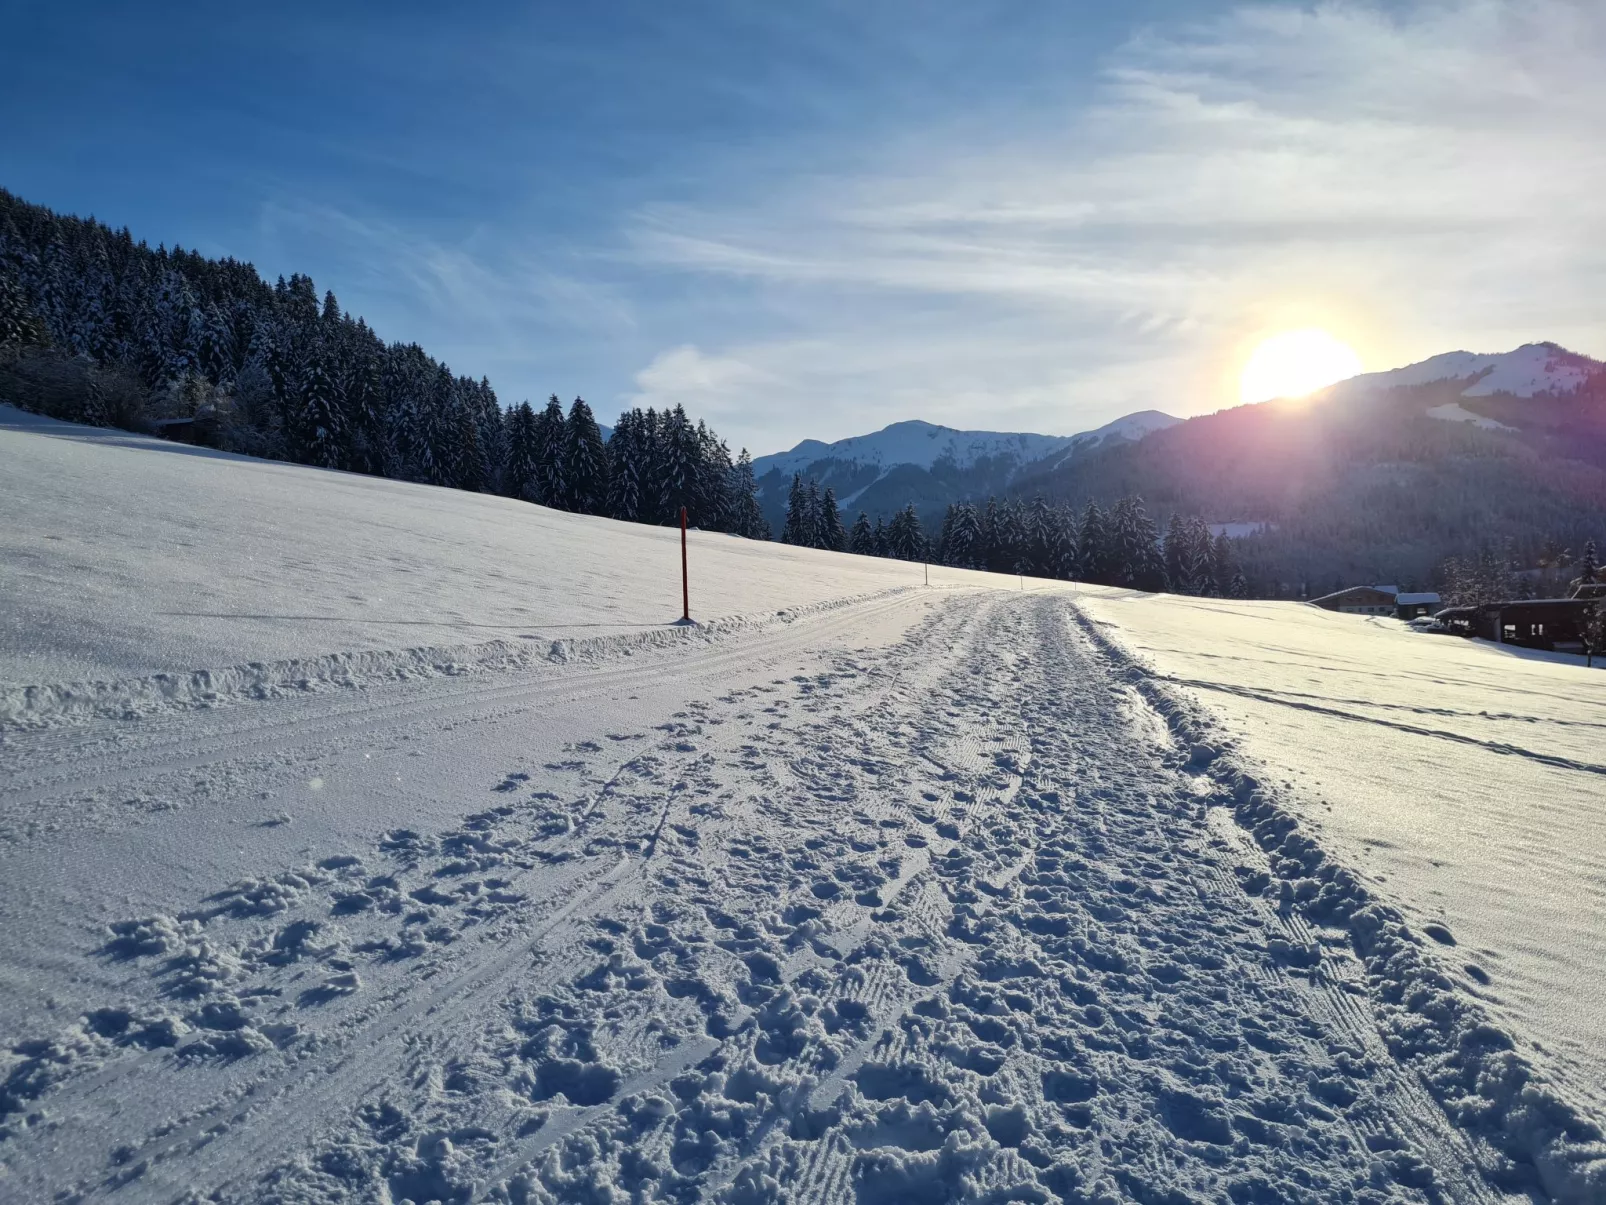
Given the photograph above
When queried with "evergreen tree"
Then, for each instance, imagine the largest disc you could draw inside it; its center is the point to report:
(1239, 588)
(711, 479)
(1223, 568)
(1094, 560)
(1196, 552)
(585, 473)
(904, 538)
(796, 525)
(319, 431)
(523, 454)
(1171, 551)
(552, 447)
(746, 517)
(961, 543)
(1136, 558)
(627, 457)
(828, 527)
(18, 322)
(861, 539)
(1589, 567)
(679, 465)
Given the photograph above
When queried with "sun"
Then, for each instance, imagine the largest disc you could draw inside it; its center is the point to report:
(1294, 363)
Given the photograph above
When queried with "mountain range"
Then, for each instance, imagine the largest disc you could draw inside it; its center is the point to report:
(1377, 478)
(929, 465)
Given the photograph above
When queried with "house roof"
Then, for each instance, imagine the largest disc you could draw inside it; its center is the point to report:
(1412, 600)
(1392, 591)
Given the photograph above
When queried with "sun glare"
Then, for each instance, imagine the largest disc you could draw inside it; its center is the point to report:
(1294, 363)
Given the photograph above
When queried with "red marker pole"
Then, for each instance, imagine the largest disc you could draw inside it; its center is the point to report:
(685, 588)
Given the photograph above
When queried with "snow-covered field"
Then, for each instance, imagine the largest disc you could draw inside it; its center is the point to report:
(862, 891)
(1465, 781)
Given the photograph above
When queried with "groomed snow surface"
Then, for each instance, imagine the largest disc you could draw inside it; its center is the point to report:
(861, 892)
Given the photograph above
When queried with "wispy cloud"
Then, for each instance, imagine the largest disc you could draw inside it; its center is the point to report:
(488, 301)
(1416, 180)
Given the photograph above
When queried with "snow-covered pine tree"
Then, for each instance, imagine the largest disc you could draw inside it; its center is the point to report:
(746, 516)
(551, 442)
(963, 545)
(795, 528)
(18, 322)
(519, 478)
(904, 538)
(585, 462)
(1093, 546)
(828, 528)
(861, 538)
(1223, 567)
(678, 466)
(319, 430)
(810, 517)
(1239, 588)
(1171, 552)
(626, 456)
(712, 480)
(1044, 544)
(1589, 567)
(1194, 559)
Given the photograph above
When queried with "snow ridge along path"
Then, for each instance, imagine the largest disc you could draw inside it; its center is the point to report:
(965, 916)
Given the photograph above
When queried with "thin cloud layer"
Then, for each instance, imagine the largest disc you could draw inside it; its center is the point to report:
(1413, 181)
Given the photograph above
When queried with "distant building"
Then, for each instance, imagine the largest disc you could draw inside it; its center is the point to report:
(1360, 600)
(1410, 606)
(1537, 623)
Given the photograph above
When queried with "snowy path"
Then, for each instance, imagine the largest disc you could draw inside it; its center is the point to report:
(918, 899)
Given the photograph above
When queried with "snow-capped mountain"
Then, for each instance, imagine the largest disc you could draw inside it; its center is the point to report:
(928, 464)
(1532, 370)
(915, 443)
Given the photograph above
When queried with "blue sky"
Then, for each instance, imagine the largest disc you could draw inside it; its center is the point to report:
(814, 219)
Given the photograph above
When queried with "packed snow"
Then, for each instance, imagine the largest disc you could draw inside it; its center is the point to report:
(338, 863)
(1464, 779)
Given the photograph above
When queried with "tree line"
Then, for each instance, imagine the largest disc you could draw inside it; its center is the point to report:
(1121, 546)
(98, 328)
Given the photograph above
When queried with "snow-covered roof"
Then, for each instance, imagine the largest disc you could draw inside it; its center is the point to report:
(1415, 600)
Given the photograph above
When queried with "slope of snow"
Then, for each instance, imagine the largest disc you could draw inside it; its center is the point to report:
(862, 892)
(1129, 426)
(97, 589)
(1463, 780)
(1534, 368)
(1455, 412)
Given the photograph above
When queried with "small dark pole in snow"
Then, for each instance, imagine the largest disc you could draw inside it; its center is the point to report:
(927, 568)
(685, 587)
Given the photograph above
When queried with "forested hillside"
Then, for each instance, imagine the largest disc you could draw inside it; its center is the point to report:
(1362, 484)
(98, 328)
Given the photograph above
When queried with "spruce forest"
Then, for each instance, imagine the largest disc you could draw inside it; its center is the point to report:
(1118, 547)
(100, 329)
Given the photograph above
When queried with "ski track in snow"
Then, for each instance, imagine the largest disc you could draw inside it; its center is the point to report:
(975, 917)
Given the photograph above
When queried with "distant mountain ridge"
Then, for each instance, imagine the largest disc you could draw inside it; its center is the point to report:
(1531, 370)
(1382, 476)
(928, 464)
